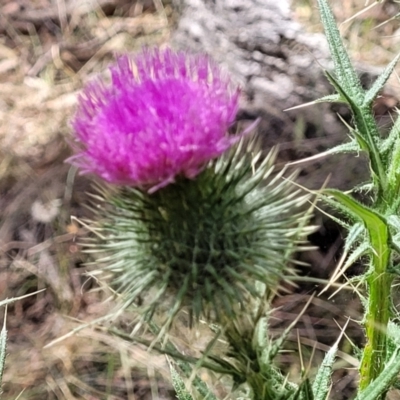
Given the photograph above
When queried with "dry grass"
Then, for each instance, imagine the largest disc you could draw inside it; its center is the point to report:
(370, 27)
(48, 49)
(371, 31)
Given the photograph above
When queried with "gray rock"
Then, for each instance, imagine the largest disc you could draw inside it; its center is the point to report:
(276, 62)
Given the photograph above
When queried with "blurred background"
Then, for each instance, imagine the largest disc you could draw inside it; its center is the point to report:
(48, 50)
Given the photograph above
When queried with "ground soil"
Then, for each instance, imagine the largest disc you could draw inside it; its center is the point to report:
(56, 349)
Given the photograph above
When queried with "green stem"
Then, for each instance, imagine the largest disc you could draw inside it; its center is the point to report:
(394, 177)
(366, 125)
(378, 314)
(379, 282)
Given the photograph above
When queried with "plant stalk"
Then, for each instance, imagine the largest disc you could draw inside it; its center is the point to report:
(377, 317)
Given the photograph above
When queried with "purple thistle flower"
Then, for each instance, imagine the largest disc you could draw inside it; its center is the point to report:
(164, 114)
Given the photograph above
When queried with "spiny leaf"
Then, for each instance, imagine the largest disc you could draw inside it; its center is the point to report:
(366, 127)
(394, 223)
(393, 172)
(348, 86)
(386, 145)
(322, 380)
(357, 253)
(348, 217)
(365, 187)
(375, 223)
(179, 385)
(354, 235)
(260, 339)
(350, 147)
(340, 89)
(378, 85)
(304, 391)
(330, 98)
(345, 72)
(365, 133)
(385, 380)
(393, 335)
(376, 226)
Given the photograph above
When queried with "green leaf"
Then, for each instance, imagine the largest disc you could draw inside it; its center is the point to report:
(365, 133)
(350, 147)
(378, 85)
(354, 235)
(348, 86)
(260, 339)
(393, 172)
(304, 391)
(385, 380)
(330, 98)
(362, 250)
(179, 385)
(367, 129)
(322, 380)
(394, 223)
(393, 335)
(387, 144)
(379, 281)
(344, 148)
(345, 72)
(376, 225)
(365, 187)
(347, 217)
(340, 89)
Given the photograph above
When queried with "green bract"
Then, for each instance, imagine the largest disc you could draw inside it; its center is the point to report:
(202, 244)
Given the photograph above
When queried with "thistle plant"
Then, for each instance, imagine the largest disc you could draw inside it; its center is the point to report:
(192, 217)
(197, 228)
(373, 227)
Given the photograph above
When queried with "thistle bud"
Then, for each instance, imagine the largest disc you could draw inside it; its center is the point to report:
(194, 217)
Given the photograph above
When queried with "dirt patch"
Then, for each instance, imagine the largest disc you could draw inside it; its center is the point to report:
(48, 50)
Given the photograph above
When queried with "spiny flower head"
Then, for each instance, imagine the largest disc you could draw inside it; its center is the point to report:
(201, 245)
(163, 114)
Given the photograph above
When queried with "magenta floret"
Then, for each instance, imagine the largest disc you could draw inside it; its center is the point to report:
(164, 114)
